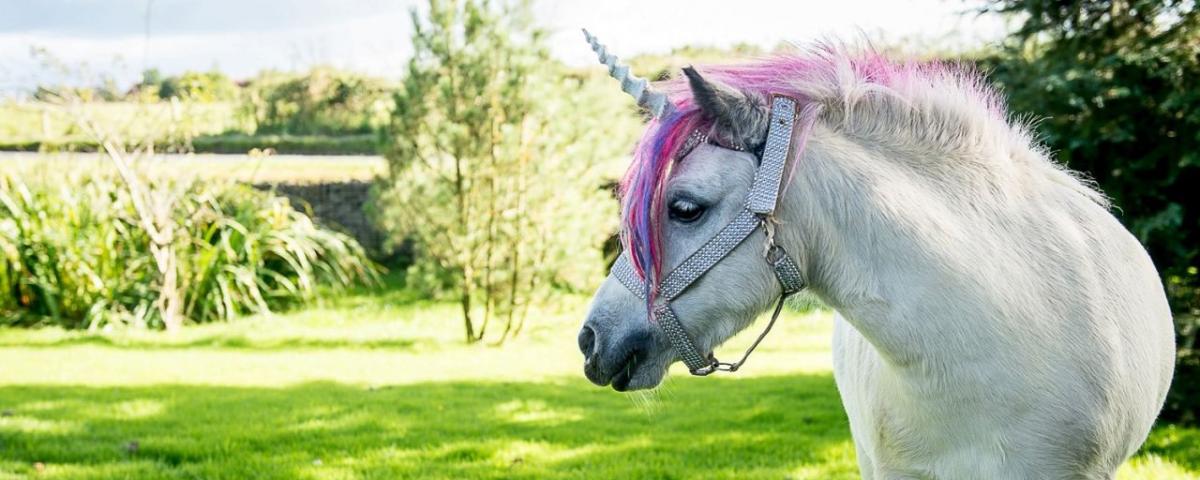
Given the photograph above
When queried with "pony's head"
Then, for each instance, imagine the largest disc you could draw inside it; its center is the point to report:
(691, 173)
(861, 118)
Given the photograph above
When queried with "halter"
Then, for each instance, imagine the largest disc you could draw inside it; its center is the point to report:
(758, 212)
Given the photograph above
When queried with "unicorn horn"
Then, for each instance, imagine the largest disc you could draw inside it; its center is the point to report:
(638, 87)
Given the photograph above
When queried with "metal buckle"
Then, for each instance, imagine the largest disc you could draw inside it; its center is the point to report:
(715, 366)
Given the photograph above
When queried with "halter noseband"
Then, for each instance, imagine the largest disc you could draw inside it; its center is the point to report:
(758, 212)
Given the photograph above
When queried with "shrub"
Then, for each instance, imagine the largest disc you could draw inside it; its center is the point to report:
(71, 253)
(321, 102)
(202, 87)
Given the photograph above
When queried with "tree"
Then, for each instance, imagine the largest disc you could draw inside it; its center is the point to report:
(1115, 85)
(494, 169)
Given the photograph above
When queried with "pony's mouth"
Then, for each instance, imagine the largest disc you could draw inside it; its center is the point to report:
(633, 361)
(620, 381)
(629, 375)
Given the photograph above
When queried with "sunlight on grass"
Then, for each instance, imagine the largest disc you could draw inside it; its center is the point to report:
(841, 455)
(1153, 467)
(24, 424)
(535, 411)
(129, 409)
(517, 453)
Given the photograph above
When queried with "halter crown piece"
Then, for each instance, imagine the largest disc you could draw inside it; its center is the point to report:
(757, 213)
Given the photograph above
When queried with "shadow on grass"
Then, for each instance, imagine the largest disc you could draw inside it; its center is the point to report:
(765, 427)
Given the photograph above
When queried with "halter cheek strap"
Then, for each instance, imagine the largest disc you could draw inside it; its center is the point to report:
(757, 213)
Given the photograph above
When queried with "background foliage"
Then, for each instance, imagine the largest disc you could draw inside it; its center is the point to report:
(323, 112)
(72, 253)
(323, 101)
(1115, 86)
(202, 87)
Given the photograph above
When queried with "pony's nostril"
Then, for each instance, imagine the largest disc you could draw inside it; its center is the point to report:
(587, 341)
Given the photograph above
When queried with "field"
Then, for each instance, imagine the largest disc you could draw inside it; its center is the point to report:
(209, 128)
(36, 121)
(241, 168)
(376, 384)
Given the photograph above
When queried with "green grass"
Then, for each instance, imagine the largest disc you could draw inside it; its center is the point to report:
(375, 384)
(242, 168)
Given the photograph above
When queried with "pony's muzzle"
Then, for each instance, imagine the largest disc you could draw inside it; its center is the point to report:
(612, 356)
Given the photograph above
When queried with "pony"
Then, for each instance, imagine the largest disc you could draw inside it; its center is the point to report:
(993, 318)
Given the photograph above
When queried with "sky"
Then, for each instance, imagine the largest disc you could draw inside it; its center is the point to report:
(120, 38)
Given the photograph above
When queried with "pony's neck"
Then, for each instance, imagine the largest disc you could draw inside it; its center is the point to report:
(882, 245)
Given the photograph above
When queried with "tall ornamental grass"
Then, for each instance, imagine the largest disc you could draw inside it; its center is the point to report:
(72, 253)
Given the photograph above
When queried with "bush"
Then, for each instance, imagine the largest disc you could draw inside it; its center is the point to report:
(202, 87)
(321, 102)
(72, 253)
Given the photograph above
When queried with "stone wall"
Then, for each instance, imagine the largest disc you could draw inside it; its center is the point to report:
(339, 205)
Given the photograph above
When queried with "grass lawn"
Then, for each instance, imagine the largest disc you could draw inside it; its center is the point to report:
(376, 385)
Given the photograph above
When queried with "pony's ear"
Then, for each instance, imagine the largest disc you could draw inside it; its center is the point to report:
(740, 117)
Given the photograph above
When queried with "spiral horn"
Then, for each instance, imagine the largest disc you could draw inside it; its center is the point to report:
(656, 102)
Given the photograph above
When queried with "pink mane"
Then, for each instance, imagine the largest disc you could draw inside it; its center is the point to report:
(807, 76)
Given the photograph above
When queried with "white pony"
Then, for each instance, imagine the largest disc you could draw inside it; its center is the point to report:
(995, 321)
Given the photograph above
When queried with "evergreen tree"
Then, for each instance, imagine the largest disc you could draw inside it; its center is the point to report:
(494, 158)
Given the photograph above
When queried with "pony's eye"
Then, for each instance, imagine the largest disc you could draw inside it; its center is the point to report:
(685, 211)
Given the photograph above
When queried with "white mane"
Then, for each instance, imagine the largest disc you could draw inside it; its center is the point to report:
(942, 119)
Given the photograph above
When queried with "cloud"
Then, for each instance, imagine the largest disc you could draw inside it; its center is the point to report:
(127, 18)
(265, 35)
(373, 36)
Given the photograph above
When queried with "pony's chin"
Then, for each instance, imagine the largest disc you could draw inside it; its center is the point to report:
(642, 377)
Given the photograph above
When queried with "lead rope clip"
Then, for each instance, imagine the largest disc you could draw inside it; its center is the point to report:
(769, 222)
